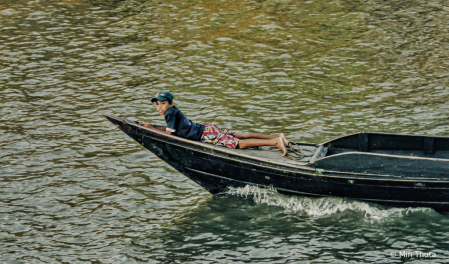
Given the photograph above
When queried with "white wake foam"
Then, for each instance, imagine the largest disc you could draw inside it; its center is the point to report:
(319, 207)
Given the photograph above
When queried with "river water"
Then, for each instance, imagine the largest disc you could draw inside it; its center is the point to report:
(74, 189)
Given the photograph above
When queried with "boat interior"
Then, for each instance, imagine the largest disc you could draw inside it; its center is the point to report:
(390, 144)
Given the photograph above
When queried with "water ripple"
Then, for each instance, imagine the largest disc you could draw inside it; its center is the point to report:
(74, 189)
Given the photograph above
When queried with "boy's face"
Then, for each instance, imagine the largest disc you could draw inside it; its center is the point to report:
(163, 106)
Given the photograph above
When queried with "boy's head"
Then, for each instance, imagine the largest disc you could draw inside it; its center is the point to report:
(163, 96)
(164, 101)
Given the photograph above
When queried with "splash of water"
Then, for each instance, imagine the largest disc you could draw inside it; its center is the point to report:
(319, 207)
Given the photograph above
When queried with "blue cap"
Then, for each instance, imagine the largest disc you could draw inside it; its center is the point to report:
(162, 96)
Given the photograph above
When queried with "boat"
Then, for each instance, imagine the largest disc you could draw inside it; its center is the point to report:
(384, 168)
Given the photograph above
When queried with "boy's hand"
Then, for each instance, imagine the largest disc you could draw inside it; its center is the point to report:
(142, 123)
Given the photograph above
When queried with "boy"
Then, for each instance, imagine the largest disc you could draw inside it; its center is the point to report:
(179, 125)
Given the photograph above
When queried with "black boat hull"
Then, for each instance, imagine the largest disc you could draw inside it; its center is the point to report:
(217, 170)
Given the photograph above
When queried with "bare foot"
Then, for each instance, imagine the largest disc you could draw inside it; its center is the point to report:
(280, 145)
(284, 138)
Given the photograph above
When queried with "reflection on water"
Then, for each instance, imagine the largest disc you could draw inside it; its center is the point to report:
(74, 189)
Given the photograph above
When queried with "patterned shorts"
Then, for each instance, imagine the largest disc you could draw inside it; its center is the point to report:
(221, 137)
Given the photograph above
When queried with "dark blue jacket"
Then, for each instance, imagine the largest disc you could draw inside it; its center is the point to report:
(178, 123)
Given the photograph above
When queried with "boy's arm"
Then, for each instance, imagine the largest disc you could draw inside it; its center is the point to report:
(171, 121)
(158, 127)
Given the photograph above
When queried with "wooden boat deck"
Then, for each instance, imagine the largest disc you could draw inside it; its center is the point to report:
(271, 154)
(268, 154)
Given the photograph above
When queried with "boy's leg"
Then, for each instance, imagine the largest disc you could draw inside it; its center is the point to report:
(277, 142)
(255, 135)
